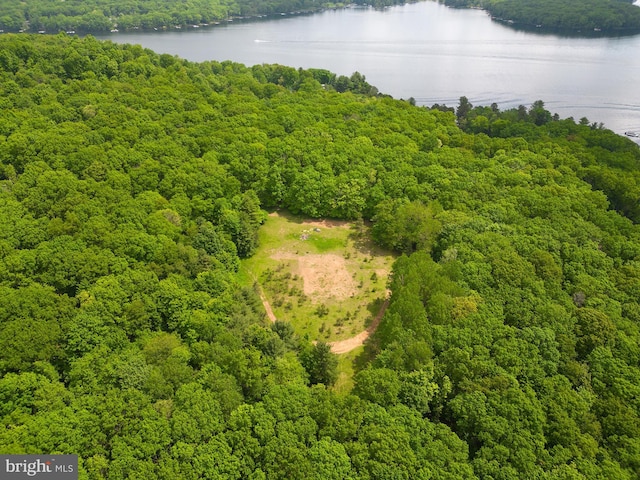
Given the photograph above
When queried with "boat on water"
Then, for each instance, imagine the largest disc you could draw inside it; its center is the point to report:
(632, 134)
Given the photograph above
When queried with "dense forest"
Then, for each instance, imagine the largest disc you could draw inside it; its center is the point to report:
(131, 186)
(105, 15)
(584, 17)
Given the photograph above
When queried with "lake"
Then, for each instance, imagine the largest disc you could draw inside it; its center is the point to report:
(434, 54)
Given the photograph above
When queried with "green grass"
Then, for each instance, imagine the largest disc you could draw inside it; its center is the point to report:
(323, 244)
(346, 370)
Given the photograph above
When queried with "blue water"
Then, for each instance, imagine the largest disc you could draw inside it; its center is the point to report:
(435, 55)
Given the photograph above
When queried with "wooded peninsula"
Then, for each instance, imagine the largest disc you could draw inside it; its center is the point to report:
(133, 190)
(574, 17)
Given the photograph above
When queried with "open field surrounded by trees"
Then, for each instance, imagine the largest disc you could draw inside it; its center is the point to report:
(326, 278)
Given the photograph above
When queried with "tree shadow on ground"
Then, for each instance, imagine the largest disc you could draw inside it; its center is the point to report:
(371, 344)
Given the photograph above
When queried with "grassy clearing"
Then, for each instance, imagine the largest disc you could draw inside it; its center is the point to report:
(346, 370)
(325, 277)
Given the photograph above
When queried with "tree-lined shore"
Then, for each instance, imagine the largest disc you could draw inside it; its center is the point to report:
(567, 17)
(95, 16)
(576, 17)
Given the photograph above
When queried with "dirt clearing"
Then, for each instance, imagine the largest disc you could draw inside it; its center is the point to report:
(325, 277)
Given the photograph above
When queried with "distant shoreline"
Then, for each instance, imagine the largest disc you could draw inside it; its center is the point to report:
(115, 27)
(569, 18)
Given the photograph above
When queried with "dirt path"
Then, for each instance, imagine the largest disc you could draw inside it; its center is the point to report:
(345, 346)
(339, 346)
(263, 298)
(267, 307)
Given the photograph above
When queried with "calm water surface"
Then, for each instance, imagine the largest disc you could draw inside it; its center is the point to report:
(435, 55)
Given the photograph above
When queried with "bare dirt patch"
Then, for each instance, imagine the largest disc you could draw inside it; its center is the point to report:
(325, 223)
(326, 276)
